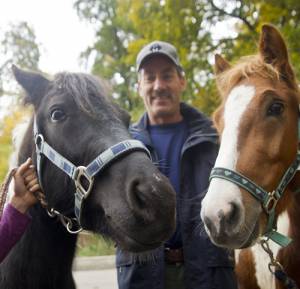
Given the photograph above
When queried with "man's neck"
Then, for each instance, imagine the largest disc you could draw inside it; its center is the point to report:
(165, 120)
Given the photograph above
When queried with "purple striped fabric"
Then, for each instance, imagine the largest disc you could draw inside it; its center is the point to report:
(12, 226)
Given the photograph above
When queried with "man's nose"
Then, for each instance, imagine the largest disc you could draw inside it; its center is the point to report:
(159, 84)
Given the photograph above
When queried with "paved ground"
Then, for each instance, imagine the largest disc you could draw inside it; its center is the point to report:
(103, 279)
(95, 272)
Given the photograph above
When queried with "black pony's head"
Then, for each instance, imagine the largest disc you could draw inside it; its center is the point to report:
(130, 200)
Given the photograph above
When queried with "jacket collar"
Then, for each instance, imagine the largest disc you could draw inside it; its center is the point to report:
(199, 126)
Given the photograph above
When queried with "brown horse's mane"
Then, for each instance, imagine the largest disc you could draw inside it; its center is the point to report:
(244, 68)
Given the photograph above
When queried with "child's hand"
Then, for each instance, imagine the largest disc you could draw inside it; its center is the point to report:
(26, 186)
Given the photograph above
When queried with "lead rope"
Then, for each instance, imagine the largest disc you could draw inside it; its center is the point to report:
(4, 189)
(69, 223)
(276, 268)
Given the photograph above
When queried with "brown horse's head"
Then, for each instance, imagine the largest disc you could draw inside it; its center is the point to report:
(257, 123)
(130, 201)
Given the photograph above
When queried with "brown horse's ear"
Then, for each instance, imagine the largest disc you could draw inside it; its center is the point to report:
(35, 84)
(221, 64)
(273, 50)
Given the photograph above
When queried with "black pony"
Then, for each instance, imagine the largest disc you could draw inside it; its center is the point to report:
(129, 201)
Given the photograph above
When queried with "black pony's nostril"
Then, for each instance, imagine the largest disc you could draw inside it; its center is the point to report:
(136, 196)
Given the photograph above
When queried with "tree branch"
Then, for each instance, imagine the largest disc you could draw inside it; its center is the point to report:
(234, 15)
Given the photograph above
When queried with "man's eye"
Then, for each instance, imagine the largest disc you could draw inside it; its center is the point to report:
(57, 115)
(149, 78)
(167, 76)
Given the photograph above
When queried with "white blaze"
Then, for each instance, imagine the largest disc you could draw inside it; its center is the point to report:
(222, 192)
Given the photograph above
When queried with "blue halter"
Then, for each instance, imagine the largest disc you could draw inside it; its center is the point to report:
(81, 173)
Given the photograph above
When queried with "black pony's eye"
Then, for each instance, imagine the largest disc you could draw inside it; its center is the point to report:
(275, 109)
(57, 115)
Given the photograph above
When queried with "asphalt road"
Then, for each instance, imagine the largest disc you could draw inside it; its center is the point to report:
(95, 272)
(100, 279)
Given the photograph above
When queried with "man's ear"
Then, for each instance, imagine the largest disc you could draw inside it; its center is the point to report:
(138, 86)
(183, 82)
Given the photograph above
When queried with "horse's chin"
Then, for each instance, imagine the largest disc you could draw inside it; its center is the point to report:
(130, 243)
(131, 235)
(240, 240)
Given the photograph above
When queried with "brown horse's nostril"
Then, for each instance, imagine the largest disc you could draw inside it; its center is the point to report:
(210, 226)
(230, 218)
(233, 215)
(224, 222)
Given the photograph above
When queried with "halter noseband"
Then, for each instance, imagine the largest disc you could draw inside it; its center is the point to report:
(267, 199)
(82, 176)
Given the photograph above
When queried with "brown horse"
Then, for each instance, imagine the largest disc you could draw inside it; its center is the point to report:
(258, 125)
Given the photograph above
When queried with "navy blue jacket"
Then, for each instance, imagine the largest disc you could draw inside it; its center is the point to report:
(206, 266)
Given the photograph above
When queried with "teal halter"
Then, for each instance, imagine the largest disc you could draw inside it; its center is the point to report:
(267, 199)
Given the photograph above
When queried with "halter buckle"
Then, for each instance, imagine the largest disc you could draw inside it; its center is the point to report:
(83, 181)
(39, 142)
(271, 202)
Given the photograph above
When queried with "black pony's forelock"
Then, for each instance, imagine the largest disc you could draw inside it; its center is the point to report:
(91, 94)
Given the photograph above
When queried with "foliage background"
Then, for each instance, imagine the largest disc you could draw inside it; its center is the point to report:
(122, 27)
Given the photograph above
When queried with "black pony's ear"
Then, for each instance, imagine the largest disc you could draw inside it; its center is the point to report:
(123, 114)
(35, 84)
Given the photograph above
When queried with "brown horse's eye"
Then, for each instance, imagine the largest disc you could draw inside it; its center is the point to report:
(275, 109)
(57, 115)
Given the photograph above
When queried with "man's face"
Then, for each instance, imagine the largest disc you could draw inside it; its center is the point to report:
(161, 86)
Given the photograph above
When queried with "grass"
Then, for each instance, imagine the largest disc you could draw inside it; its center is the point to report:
(94, 245)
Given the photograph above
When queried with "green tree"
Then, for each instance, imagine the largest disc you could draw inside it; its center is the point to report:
(124, 26)
(250, 16)
(6, 127)
(18, 46)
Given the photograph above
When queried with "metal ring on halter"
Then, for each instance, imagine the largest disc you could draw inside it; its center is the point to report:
(52, 213)
(39, 141)
(271, 202)
(70, 224)
(273, 262)
(81, 175)
(272, 266)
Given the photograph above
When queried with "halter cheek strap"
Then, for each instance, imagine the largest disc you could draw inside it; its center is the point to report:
(83, 177)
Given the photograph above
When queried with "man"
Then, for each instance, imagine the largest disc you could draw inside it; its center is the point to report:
(184, 146)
